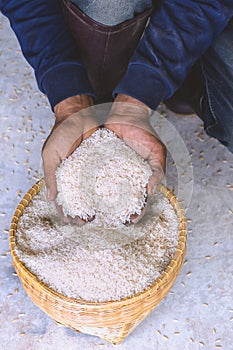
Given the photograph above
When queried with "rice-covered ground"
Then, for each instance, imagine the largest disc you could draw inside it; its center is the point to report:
(198, 312)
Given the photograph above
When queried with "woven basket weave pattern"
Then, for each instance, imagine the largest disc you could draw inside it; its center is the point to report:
(112, 320)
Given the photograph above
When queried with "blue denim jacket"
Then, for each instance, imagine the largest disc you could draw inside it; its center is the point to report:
(179, 32)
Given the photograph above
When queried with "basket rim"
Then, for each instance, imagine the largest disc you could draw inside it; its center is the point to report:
(155, 286)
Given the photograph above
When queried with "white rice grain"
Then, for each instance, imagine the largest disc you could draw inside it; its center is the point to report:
(94, 263)
(105, 179)
(104, 259)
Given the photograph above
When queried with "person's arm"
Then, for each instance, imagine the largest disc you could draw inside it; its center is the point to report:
(179, 32)
(49, 48)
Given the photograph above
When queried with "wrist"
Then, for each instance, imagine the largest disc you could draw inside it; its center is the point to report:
(72, 105)
(125, 104)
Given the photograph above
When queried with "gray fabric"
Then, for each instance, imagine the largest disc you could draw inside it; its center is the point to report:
(112, 12)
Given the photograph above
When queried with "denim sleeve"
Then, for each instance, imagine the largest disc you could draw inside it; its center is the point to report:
(179, 32)
(48, 47)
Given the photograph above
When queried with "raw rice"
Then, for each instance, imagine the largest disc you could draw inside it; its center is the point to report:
(93, 263)
(104, 259)
(103, 179)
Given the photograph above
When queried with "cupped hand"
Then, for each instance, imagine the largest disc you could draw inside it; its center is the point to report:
(129, 119)
(74, 123)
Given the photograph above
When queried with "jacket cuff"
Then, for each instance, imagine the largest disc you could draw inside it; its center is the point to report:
(65, 80)
(144, 84)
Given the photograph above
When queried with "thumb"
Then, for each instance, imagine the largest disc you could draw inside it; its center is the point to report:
(154, 180)
(50, 163)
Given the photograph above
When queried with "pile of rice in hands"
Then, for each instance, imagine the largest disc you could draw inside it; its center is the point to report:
(104, 179)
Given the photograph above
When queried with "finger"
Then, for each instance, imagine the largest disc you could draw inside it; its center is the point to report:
(51, 161)
(65, 136)
(154, 180)
(135, 218)
(157, 161)
(67, 219)
(156, 177)
(61, 214)
(78, 221)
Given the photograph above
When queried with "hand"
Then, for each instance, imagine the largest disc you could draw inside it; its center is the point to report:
(129, 119)
(72, 125)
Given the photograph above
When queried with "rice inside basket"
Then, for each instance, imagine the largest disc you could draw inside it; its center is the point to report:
(93, 264)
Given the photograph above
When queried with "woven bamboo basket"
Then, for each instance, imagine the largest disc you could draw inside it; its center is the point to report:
(112, 320)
